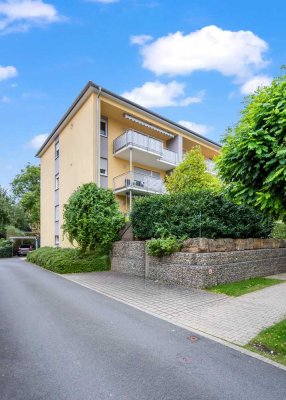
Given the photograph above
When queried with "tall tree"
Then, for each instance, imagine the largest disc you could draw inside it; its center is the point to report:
(253, 158)
(26, 189)
(5, 209)
(191, 174)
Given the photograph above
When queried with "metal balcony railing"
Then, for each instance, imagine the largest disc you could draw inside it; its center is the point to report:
(144, 142)
(138, 182)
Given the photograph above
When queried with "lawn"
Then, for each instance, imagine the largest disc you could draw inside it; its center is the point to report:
(243, 287)
(65, 261)
(271, 342)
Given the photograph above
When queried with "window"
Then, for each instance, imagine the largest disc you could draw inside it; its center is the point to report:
(146, 172)
(103, 127)
(57, 240)
(103, 166)
(57, 150)
(57, 213)
(57, 181)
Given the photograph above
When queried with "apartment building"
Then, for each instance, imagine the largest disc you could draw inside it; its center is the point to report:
(107, 139)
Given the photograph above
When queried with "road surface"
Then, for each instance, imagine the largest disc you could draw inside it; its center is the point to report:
(59, 340)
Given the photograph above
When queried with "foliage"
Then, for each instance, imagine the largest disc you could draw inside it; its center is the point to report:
(19, 217)
(163, 246)
(5, 209)
(279, 230)
(242, 287)
(92, 217)
(13, 231)
(65, 261)
(271, 342)
(26, 189)
(253, 158)
(191, 174)
(201, 213)
(5, 248)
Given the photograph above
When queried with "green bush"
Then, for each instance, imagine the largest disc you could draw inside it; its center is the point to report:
(279, 230)
(92, 217)
(64, 261)
(6, 248)
(201, 213)
(163, 246)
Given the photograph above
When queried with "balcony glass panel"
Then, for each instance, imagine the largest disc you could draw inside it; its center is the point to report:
(138, 182)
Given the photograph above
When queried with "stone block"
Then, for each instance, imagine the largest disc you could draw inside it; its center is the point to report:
(196, 245)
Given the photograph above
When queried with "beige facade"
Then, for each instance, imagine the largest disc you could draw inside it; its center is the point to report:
(108, 140)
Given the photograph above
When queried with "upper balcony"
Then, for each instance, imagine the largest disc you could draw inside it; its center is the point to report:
(146, 150)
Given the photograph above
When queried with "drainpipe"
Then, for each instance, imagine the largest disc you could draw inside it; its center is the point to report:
(97, 140)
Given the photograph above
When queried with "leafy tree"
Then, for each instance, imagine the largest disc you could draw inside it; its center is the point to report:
(26, 189)
(253, 158)
(5, 210)
(191, 174)
(92, 217)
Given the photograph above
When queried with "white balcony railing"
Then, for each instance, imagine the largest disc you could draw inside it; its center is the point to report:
(144, 142)
(138, 182)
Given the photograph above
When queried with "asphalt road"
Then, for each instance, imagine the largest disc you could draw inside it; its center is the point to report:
(59, 340)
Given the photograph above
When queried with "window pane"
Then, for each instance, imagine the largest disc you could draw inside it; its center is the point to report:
(57, 213)
(103, 127)
(57, 149)
(103, 166)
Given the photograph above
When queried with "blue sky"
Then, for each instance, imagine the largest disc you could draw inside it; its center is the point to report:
(190, 61)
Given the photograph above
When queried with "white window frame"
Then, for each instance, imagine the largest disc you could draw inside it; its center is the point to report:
(57, 213)
(106, 169)
(57, 181)
(57, 240)
(105, 134)
(57, 149)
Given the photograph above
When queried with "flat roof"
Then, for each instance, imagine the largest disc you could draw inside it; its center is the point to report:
(97, 88)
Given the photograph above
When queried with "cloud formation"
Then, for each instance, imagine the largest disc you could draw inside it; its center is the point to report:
(254, 83)
(140, 39)
(37, 141)
(193, 126)
(20, 15)
(231, 53)
(157, 94)
(7, 72)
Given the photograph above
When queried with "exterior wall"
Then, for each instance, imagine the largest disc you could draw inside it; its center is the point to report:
(77, 155)
(47, 197)
(198, 270)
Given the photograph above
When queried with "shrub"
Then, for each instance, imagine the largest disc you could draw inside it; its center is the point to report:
(279, 230)
(64, 261)
(201, 213)
(163, 246)
(6, 248)
(92, 217)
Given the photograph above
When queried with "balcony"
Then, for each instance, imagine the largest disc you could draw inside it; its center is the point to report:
(138, 184)
(146, 150)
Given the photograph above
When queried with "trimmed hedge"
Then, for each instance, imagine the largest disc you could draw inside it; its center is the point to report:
(6, 248)
(201, 213)
(64, 261)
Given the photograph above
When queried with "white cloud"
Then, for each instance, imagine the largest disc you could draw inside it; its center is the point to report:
(157, 94)
(20, 15)
(232, 53)
(140, 39)
(7, 72)
(198, 128)
(254, 83)
(5, 99)
(37, 141)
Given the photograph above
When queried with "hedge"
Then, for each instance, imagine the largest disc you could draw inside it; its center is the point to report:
(64, 261)
(201, 213)
(6, 248)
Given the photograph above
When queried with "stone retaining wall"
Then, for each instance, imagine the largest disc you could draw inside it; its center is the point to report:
(197, 270)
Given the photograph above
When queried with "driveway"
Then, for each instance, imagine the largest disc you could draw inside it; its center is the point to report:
(234, 319)
(60, 340)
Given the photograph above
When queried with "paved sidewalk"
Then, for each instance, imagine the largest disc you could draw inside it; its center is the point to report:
(236, 320)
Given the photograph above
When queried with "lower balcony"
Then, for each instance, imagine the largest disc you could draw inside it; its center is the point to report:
(138, 184)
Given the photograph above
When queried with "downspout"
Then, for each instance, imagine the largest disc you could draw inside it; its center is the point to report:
(97, 140)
